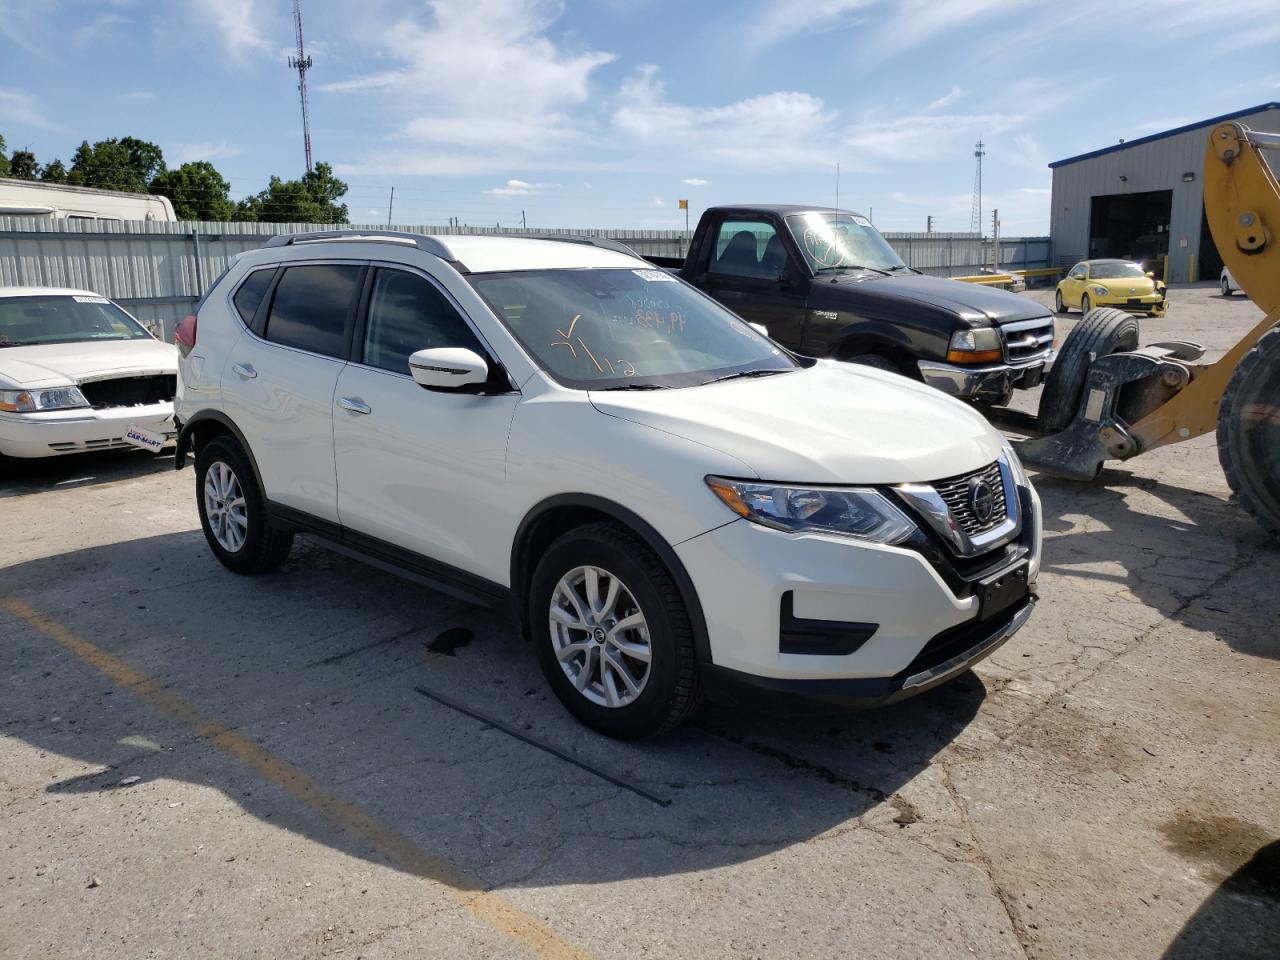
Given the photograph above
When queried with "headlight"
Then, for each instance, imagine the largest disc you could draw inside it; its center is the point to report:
(1100, 291)
(864, 514)
(1015, 465)
(29, 401)
(977, 345)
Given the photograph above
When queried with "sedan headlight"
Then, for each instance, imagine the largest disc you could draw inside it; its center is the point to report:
(30, 401)
(976, 345)
(850, 512)
(1100, 291)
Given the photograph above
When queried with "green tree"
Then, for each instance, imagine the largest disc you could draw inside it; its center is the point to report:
(313, 199)
(126, 163)
(54, 172)
(4, 160)
(196, 190)
(23, 166)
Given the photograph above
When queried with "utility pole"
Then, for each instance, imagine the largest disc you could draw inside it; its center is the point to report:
(837, 186)
(524, 224)
(995, 241)
(975, 216)
(391, 203)
(302, 63)
(928, 224)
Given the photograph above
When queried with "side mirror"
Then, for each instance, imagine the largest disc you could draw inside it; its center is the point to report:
(448, 368)
(1151, 274)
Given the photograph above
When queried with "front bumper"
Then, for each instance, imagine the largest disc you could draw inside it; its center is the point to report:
(994, 381)
(1155, 304)
(56, 432)
(895, 607)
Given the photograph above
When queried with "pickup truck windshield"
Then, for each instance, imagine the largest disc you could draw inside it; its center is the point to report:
(833, 242)
(626, 329)
(28, 321)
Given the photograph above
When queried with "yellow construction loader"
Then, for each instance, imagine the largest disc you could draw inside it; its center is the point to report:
(1108, 399)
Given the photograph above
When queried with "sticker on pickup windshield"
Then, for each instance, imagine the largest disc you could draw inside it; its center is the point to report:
(655, 276)
(90, 299)
(862, 221)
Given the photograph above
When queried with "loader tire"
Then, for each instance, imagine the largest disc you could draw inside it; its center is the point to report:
(1102, 332)
(1249, 431)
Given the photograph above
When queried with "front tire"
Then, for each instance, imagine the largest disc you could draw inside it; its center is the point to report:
(1085, 305)
(1058, 306)
(612, 634)
(1099, 334)
(1226, 288)
(233, 511)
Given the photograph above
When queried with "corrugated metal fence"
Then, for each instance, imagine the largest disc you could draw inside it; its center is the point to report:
(157, 270)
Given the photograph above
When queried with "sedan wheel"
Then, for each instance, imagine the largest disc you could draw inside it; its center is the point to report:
(600, 636)
(1085, 305)
(1226, 288)
(1058, 305)
(224, 505)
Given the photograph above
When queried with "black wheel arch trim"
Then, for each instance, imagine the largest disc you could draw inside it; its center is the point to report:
(215, 416)
(522, 565)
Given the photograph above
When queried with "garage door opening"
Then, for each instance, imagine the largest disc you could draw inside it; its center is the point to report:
(1131, 226)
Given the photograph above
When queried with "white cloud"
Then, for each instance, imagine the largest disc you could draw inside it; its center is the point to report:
(778, 20)
(237, 24)
(945, 100)
(923, 136)
(482, 77)
(657, 202)
(17, 107)
(695, 181)
(138, 95)
(191, 152)
(516, 188)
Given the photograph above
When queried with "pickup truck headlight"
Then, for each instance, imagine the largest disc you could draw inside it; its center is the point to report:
(976, 345)
(1100, 291)
(850, 512)
(30, 401)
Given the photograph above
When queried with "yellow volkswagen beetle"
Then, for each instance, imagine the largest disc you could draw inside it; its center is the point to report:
(1111, 283)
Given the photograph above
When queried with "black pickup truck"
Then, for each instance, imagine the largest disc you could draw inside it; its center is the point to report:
(824, 283)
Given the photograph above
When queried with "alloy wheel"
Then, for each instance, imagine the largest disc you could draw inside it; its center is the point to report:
(224, 506)
(600, 636)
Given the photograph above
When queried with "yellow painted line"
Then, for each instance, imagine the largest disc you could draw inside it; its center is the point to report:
(396, 848)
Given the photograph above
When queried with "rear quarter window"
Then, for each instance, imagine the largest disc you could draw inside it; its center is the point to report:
(251, 292)
(312, 307)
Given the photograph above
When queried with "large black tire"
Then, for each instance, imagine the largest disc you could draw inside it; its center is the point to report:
(879, 361)
(1249, 431)
(673, 690)
(263, 548)
(1101, 333)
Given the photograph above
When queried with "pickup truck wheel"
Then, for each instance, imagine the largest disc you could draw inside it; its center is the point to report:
(1249, 431)
(233, 511)
(879, 361)
(1058, 305)
(1101, 333)
(612, 634)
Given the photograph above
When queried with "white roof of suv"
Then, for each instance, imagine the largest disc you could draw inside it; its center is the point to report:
(46, 292)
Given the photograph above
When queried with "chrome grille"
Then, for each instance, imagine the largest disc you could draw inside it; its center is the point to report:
(1026, 340)
(955, 491)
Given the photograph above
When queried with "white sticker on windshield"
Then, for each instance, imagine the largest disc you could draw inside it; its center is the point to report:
(90, 299)
(862, 221)
(655, 276)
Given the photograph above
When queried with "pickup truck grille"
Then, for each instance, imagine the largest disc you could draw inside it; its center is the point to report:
(955, 491)
(1027, 340)
(129, 391)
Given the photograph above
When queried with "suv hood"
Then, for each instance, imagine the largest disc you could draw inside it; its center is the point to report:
(61, 364)
(972, 301)
(833, 423)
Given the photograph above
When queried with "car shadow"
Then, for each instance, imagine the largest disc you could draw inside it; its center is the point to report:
(20, 477)
(1192, 556)
(320, 664)
(1236, 920)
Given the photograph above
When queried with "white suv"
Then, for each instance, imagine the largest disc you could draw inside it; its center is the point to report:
(672, 502)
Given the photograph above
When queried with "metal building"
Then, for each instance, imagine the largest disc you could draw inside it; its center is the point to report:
(1142, 200)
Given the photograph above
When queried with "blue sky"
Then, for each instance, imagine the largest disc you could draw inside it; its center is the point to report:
(607, 112)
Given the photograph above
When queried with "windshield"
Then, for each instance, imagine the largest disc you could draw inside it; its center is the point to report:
(842, 241)
(614, 329)
(1116, 270)
(27, 321)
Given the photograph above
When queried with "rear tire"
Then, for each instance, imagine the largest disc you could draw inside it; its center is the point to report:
(670, 688)
(1101, 333)
(233, 511)
(1249, 431)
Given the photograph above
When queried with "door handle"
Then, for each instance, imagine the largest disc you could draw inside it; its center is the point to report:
(244, 370)
(354, 404)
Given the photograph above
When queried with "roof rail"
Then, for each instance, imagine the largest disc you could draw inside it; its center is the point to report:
(617, 246)
(424, 243)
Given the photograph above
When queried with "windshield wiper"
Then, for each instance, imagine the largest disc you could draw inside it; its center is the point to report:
(845, 268)
(637, 386)
(745, 374)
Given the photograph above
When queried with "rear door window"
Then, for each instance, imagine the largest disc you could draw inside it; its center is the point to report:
(251, 293)
(312, 307)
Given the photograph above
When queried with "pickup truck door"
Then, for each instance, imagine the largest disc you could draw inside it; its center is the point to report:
(752, 273)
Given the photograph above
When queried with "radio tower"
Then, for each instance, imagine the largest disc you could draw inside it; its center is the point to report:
(975, 218)
(302, 63)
